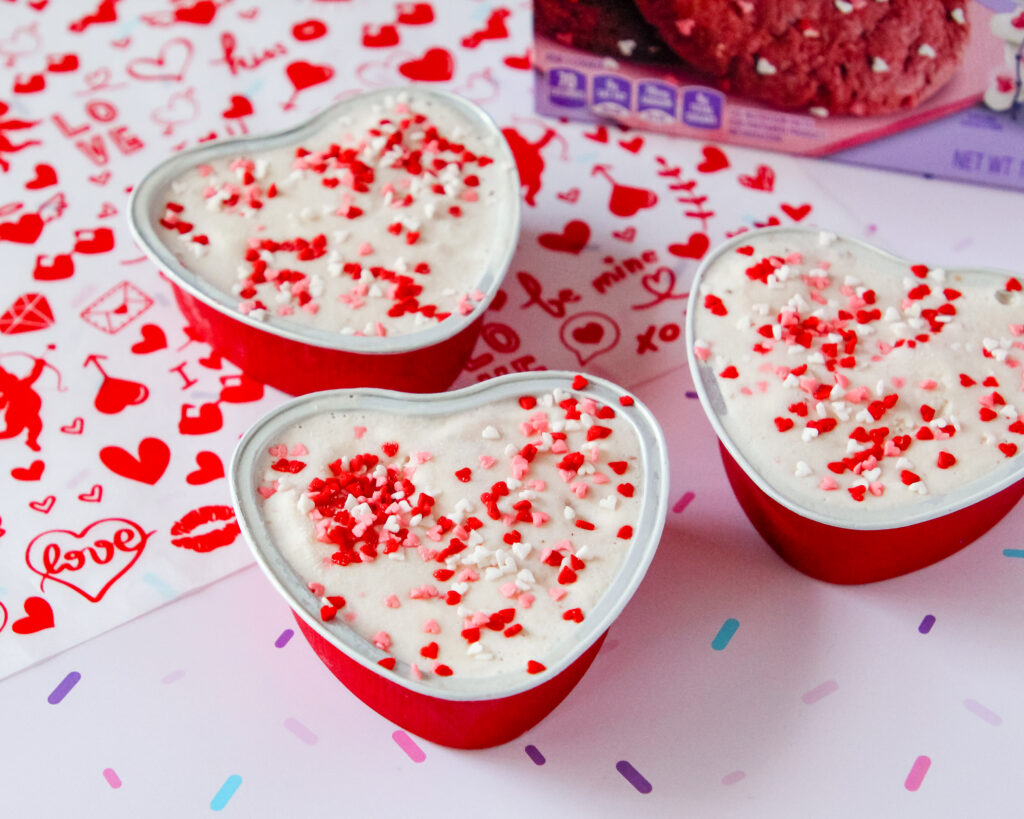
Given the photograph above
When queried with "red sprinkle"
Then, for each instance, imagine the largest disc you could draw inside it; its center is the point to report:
(527, 402)
(618, 467)
(626, 400)
(533, 667)
(579, 382)
(945, 460)
(576, 615)
(442, 670)
(625, 532)
(430, 651)
(1009, 450)
(386, 662)
(465, 474)
(909, 477)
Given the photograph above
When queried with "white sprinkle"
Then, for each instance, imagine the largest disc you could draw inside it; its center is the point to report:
(926, 50)
(879, 66)
(802, 469)
(844, 6)
(765, 68)
(958, 16)
(491, 433)
(626, 47)
(818, 111)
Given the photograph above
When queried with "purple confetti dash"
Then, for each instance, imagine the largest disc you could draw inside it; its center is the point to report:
(917, 772)
(691, 394)
(64, 687)
(406, 743)
(112, 778)
(535, 755)
(733, 778)
(283, 638)
(927, 623)
(980, 710)
(683, 502)
(633, 776)
(174, 676)
(820, 692)
(301, 731)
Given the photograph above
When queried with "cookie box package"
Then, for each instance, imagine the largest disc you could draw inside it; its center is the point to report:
(870, 409)
(925, 86)
(456, 559)
(360, 248)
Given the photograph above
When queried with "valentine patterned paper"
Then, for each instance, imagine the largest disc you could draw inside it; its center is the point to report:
(118, 423)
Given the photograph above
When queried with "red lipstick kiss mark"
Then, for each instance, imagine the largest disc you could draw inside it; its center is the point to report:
(205, 529)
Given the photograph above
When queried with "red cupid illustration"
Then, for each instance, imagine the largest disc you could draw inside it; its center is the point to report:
(625, 201)
(115, 394)
(6, 145)
(22, 403)
(529, 160)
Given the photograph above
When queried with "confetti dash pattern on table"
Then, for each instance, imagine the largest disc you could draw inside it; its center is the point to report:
(173, 676)
(408, 744)
(301, 731)
(283, 638)
(982, 712)
(926, 623)
(1013, 552)
(227, 790)
(633, 776)
(917, 772)
(112, 778)
(819, 692)
(733, 777)
(725, 634)
(683, 502)
(535, 755)
(64, 688)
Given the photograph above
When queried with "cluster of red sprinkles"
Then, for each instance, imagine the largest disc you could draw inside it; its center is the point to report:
(519, 533)
(836, 331)
(404, 165)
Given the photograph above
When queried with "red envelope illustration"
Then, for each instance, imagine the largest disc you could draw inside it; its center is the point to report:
(117, 308)
(29, 312)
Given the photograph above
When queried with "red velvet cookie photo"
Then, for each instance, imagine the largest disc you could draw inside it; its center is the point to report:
(612, 27)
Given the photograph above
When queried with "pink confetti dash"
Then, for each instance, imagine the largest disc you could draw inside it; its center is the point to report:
(406, 743)
(980, 710)
(301, 731)
(917, 772)
(112, 778)
(820, 692)
(733, 778)
(174, 676)
(683, 502)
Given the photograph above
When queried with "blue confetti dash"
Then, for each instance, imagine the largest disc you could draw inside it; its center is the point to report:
(160, 586)
(284, 637)
(63, 688)
(725, 634)
(1013, 552)
(927, 623)
(227, 790)
(535, 755)
(633, 776)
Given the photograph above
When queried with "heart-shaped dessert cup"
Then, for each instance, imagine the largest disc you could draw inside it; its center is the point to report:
(478, 699)
(868, 409)
(277, 342)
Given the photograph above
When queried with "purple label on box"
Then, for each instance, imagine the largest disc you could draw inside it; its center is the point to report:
(567, 88)
(702, 108)
(614, 90)
(656, 96)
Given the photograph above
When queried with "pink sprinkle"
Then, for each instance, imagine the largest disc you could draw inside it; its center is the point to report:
(414, 672)
(1017, 329)
(358, 432)
(536, 485)
(392, 601)
(266, 491)
(508, 590)
(794, 258)
(927, 384)
(317, 589)
(539, 518)
(486, 461)
(559, 447)
(899, 383)
(300, 449)
(468, 575)
(858, 395)
(382, 640)
(204, 170)
(278, 451)
(828, 484)
(431, 627)
(703, 353)
(526, 600)
(557, 592)
(599, 478)
(579, 489)
(364, 249)
(421, 457)
(877, 489)
(469, 195)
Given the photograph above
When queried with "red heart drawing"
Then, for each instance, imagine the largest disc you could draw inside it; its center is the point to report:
(210, 469)
(45, 176)
(240, 389)
(61, 62)
(627, 235)
(28, 473)
(415, 14)
(200, 420)
(309, 30)
(714, 160)
(572, 239)
(171, 62)
(633, 145)
(240, 107)
(99, 240)
(202, 13)
(383, 36)
(88, 562)
(38, 617)
(94, 495)
(100, 178)
(122, 42)
(436, 65)
(74, 428)
(53, 268)
(153, 339)
(626, 201)
(115, 394)
(150, 465)
(572, 195)
(106, 210)
(522, 62)
(303, 74)
(212, 361)
(795, 212)
(27, 314)
(696, 246)
(25, 231)
(763, 180)
(45, 505)
(590, 333)
(771, 222)
(600, 135)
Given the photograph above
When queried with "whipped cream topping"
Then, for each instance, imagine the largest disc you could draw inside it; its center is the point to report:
(853, 382)
(465, 544)
(381, 223)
